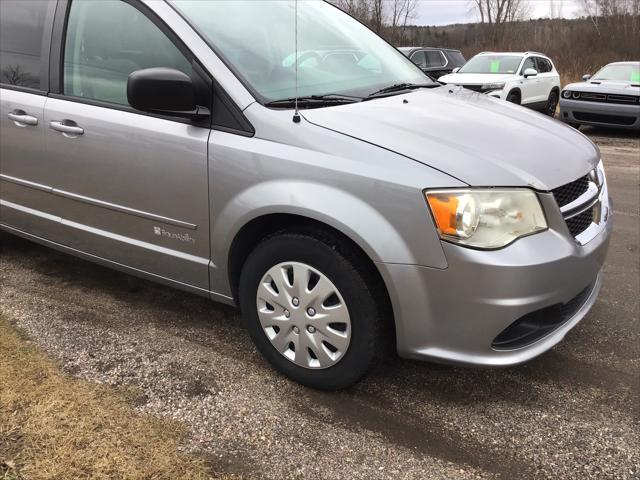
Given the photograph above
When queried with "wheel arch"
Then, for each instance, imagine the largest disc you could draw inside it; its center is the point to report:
(375, 227)
(515, 90)
(259, 228)
(378, 231)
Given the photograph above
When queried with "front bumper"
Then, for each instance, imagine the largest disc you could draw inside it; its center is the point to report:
(453, 315)
(600, 114)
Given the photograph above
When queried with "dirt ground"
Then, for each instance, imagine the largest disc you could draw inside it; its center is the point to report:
(55, 426)
(571, 413)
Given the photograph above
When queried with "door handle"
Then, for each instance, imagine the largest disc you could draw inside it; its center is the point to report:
(67, 128)
(22, 119)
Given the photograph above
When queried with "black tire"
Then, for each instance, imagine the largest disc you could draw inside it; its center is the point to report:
(339, 262)
(514, 97)
(552, 103)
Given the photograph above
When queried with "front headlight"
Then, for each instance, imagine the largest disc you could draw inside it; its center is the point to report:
(493, 86)
(566, 94)
(486, 218)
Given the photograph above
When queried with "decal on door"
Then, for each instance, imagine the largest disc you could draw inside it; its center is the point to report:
(182, 237)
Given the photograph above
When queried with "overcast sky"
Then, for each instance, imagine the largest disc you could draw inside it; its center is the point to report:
(444, 12)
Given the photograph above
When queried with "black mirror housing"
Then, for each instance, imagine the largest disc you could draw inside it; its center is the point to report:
(164, 91)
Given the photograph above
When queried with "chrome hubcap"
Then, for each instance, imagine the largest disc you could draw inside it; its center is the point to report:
(303, 315)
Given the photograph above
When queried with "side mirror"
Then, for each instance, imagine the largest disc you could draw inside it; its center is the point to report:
(530, 72)
(455, 70)
(586, 77)
(164, 91)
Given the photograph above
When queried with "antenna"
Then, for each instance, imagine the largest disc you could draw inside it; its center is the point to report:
(296, 114)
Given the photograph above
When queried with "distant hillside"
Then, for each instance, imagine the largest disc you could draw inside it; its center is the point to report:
(576, 46)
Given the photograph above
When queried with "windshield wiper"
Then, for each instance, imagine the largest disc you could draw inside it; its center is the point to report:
(314, 101)
(399, 87)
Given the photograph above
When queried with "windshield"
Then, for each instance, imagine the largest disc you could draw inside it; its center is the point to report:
(623, 73)
(336, 54)
(504, 64)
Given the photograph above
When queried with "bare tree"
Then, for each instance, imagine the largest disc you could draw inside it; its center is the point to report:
(369, 12)
(556, 8)
(596, 9)
(400, 13)
(360, 9)
(479, 5)
(388, 18)
(621, 18)
(610, 8)
(497, 13)
(15, 75)
(377, 15)
(591, 8)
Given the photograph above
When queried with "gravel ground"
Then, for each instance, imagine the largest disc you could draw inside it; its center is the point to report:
(572, 413)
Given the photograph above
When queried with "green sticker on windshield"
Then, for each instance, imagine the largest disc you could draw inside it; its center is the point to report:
(635, 76)
(495, 66)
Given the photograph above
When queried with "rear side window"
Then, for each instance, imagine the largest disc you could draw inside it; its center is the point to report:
(419, 59)
(457, 58)
(544, 65)
(22, 26)
(434, 58)
(108, 40)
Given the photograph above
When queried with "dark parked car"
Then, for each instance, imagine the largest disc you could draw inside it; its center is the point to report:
(435, 61)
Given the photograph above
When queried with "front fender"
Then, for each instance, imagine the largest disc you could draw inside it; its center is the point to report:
(358, 220)
(371, 195)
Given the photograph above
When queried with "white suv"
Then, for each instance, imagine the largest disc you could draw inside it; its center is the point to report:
(529, 79)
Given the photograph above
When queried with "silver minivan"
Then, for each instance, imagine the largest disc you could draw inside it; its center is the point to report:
(283, 158)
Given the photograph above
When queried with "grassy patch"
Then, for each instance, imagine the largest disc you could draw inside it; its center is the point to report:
(55, 426)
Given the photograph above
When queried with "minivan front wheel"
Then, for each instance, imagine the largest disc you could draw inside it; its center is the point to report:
(309, 309)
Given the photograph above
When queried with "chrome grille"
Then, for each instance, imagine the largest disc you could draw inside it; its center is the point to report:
(579, 203)
(580, 222)
(566, 194)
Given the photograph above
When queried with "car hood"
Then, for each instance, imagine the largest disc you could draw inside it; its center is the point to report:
(606, 86)
(476, 139)
(474, 78)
